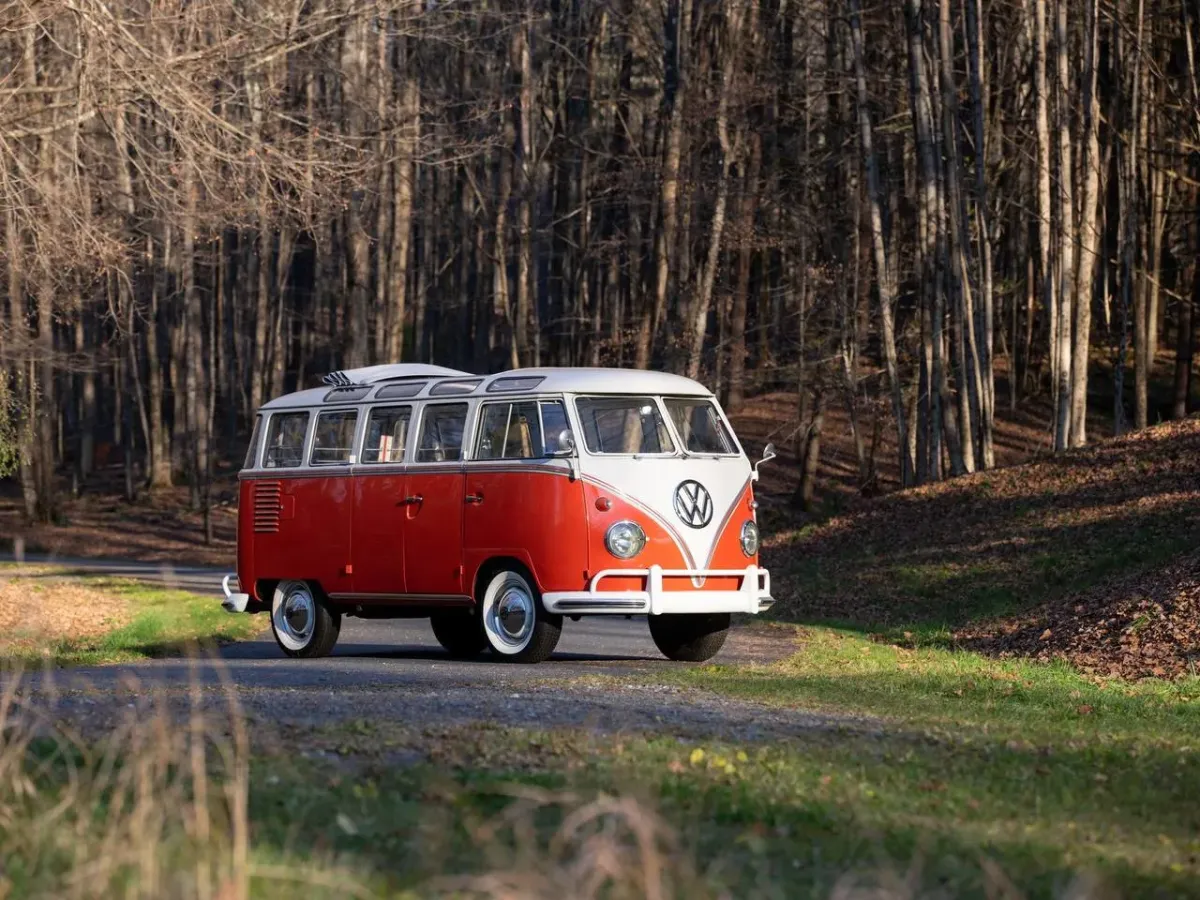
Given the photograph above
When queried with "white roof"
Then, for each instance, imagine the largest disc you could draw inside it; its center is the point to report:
(568, 380)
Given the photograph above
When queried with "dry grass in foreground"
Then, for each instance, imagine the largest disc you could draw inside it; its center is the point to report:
(165, 804)
(35, 612)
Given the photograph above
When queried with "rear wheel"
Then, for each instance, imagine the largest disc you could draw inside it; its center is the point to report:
(515, 624)
(459, 631)
(689, 637)
(304, 624)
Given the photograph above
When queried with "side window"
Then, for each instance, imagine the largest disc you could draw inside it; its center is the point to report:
(554, 424)
(333, 442)
(252, 450)
(442, 433)
(528, 429)
(387, 434)
(285, 440)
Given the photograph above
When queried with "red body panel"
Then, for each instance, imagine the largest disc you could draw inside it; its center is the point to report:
(312, 540)
(535, 516)
(378, 532)
(436, 546)
(433, 554)
(246, 567)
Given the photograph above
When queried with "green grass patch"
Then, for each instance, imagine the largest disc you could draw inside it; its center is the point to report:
(929, 687)
(158, 622)
(1034, 766)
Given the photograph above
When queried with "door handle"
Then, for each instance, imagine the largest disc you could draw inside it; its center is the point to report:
(415, 498)
(473, 498)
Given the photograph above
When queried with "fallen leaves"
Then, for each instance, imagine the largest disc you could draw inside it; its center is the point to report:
(1088, 556)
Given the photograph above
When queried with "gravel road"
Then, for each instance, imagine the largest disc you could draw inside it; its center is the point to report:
(601, 677)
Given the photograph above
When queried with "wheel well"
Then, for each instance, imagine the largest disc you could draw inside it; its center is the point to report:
(265, 589)
(490, 567)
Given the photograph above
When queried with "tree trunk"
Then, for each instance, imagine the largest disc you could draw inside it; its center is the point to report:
(1066, 234)
(524, 319)
(708, 275)
(883, 280)
(679, 18)
(1042, 127)
(736, 396)
(984, 318)
(1089, 228)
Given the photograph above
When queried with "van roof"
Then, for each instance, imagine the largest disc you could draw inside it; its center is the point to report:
(442, 383)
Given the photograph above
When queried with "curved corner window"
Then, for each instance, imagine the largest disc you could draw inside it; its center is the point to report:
(401, 391)
(699, 426)
(284, 448)
(623, 425)
(252, 450)
(333, 442)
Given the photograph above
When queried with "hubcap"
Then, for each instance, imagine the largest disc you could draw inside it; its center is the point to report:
(512, 615)
(297, 615)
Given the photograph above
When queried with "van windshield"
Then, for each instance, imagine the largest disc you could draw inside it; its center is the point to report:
(699, 426)
(623, 425)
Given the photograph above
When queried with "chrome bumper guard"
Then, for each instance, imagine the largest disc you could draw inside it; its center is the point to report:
(754, 595)
(234, 602)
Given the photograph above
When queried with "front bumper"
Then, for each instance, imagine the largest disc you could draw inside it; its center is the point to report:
(235, 601)
(753, 596)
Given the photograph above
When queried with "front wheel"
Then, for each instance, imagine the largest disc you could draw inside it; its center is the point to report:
(304, 625)
(515, 624)
(689, 637)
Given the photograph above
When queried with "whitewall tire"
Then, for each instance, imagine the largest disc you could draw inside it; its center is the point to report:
(515, 624)
(302, 621)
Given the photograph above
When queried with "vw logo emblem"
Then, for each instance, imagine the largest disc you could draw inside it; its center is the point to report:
(693, 504)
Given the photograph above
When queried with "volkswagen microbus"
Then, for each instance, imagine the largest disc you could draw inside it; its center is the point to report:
(496, 506)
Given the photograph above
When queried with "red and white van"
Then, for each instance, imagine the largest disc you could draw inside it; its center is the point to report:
(496, 505)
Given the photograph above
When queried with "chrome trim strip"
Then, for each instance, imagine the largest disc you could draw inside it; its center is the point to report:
(456, 468)
(605, 604)
(405, 598)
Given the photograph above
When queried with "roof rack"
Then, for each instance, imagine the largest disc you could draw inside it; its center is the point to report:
(389, 372)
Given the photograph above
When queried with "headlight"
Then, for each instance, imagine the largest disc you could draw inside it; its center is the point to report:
(625, 540)
(749, 538)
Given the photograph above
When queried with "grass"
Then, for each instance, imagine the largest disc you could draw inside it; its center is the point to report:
(138, 621)
(1035, 766)
(795, 818)
(952, 775)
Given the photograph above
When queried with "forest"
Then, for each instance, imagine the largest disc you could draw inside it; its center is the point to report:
(929, 208)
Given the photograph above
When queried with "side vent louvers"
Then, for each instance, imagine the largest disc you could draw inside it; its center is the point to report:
(267, 506)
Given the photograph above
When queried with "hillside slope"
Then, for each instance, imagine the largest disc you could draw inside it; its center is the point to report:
(1092, 556)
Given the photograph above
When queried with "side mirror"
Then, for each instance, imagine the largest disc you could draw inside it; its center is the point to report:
(768, 455)
(566, 445)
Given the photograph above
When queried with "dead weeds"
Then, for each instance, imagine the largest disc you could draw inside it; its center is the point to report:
(38, 609)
